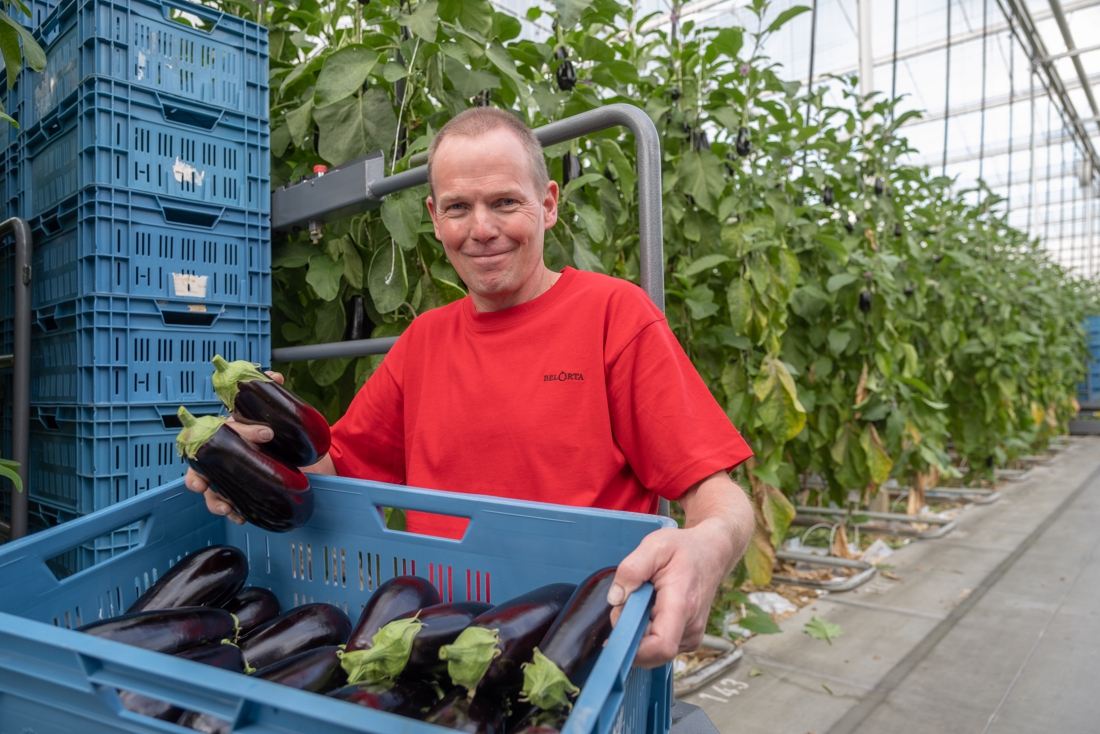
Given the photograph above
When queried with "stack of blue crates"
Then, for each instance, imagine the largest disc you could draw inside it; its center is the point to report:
(1090, 388)
(142, 164)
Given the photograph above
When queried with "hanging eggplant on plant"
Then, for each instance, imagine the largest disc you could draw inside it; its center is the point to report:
(265, 492)
(675, 93)
(303, 628)
(358, 325)
(253, 606)
(409, 645)
(865, 301)
(570, 168)
(827, 196)
(744, 142)
(301, 433)
(209, 577)
(167, 630)
(489, 652)
(897, 229)
(565, 656)
(880, 186)
(566, 75)
(700, 141)
(407, 697)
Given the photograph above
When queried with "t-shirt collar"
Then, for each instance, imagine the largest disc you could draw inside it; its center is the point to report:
(505, 318)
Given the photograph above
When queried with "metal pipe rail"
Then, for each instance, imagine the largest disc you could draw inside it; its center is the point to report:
(361, 185)
(20, 362)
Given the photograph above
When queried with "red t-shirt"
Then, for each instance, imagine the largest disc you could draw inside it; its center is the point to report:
(581, 397)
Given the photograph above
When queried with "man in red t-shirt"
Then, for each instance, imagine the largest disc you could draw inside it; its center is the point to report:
(555, 387)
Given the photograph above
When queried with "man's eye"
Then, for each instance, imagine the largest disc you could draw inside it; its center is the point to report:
(508, 202)
(455, 207)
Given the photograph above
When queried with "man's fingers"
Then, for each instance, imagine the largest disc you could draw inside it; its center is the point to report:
(639, 567)
(195, 482)
(254, 432)
(277, 376)
(217, 504)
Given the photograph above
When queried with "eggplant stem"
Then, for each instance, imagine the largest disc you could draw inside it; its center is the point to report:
(545, 685)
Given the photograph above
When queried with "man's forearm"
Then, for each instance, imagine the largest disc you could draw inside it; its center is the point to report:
(717, 502)
(324, 466)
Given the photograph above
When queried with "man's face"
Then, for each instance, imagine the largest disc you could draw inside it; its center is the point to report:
(490, 217)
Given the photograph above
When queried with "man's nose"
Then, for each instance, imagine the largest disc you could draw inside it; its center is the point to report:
(484, 224)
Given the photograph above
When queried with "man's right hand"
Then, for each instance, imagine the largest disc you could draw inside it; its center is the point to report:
(254, 432)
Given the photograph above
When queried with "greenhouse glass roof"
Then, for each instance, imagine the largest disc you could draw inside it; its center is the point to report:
(1029, 127)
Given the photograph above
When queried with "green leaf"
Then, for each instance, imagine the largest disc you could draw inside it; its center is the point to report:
(707, 262)
(468, 83)
(330, 323)
(821, 629)
(879, 462)
(474, 15)
(835, 246)
(569, 12)
(324, 275)
(780, 411)
(838, 340)
(728, 41)
(624, 171)
(424, 21)
(739, 298)
(838, 281)
(786, 16)
(778, 513)
(353, 263)
(761, 624)
(759, 558)
(387, 280)
(327, 371)
(10, 470)
(9, 49)
(503, 61)
(293, 255)
(33, 54)
(353, 127)
(344, 73)
(593, 222)
(401, 213)
(583, 256)
(701, 178)
(299, 122)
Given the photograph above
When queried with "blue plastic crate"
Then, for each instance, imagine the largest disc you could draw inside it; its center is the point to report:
(117, 241)
(113, 350)
(56, 680)
(39, 11)
(180, 48)
(116, 134)
(9, 193)
(84, 458)
(13, 107)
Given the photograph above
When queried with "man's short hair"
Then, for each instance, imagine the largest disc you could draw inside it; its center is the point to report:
(480, 120)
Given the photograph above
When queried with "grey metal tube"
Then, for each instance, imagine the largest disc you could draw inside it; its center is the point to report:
(1067, 36)
(650, 226)
(21, 369)
(357, 348)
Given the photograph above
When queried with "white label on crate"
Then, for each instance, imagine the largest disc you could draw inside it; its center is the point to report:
(186, 173)
(140, 66)
(190, 286)
(197, 309)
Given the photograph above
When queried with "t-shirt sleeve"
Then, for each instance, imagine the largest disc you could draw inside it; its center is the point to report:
(664, 418)
(369, 441)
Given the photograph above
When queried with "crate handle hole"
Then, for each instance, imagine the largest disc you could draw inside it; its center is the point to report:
(396, 519)
(189, 318)
(190, 217)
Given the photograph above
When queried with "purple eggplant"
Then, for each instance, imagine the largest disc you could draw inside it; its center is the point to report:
(167, 630)
(253, 606)
(301, 433)
(317, 671)
(264, 491)
(487, 655)
(406, 697)
(209, 577)
(409, 645)
(302, 628)
(565, 656)
(398, 596)
(478, 715)
(542, 722)
(219, 655)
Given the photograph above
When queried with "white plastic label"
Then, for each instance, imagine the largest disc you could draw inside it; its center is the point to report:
(189, 286)
(186, 173)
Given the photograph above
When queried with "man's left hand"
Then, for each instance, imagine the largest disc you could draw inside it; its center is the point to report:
(685, 567)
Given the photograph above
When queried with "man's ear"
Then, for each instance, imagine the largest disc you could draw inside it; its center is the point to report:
(550, 204)
(431, 211)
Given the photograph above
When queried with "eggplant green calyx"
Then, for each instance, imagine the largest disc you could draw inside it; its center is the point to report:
(196, 431)
(544, 685)
(228, 374)
(387, 656)
(470, 656)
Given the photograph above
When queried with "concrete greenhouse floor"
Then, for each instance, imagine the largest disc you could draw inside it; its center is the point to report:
(993, 628)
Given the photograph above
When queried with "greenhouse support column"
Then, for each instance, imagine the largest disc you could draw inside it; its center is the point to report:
(1031, 184)
(866, 57)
